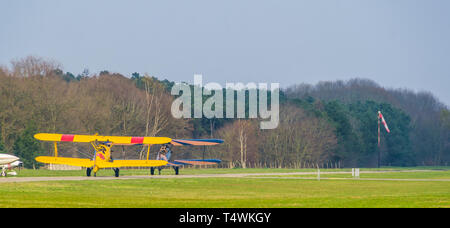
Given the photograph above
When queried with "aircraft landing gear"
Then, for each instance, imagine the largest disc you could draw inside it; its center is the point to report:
(152, 171)
(116, 172)
(89, 172)
(176, 168)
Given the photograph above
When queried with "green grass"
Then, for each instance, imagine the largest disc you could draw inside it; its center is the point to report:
(193, 171)
(225, 192)
(166, 171)
(390, 175)
(229, 192)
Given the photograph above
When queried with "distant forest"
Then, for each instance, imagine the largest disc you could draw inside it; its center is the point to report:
(330, 124)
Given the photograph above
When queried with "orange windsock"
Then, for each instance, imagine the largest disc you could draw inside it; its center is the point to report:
(380, 116)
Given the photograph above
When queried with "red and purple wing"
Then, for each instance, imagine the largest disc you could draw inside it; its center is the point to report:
(195, 142)
(196, 162)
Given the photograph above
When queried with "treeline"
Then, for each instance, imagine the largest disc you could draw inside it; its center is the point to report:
(328, 124)
(421, 119)
(35, 96)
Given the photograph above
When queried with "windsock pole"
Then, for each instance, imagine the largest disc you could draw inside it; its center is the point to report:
(383, 121)
(379, 149)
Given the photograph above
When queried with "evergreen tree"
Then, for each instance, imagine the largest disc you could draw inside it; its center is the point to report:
(349, 145)
(27, 148)
(2, 148)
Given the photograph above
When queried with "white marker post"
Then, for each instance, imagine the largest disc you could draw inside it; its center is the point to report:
(355, 172)
(318, 174)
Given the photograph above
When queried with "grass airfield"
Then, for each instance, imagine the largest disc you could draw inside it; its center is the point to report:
(265, 188)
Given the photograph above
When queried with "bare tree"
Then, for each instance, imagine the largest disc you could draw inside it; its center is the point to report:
(33, 66)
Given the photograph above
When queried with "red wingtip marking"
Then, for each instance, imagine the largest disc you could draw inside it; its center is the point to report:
(67, 138)
(137, 140)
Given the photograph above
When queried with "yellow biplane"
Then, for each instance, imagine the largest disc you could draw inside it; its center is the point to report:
(102, 157)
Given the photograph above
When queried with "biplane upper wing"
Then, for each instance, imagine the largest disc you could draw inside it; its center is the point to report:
(127, 140)
(195, 142)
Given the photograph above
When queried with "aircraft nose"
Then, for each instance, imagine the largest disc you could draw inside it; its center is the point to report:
(17, 164)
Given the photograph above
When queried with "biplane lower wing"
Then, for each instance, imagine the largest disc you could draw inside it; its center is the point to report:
(195, 162)
(82, 162)
(87, 163)
(136, 163)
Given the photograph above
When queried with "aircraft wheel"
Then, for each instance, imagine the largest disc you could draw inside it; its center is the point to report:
(152, 171)
(3, 174)
(116, 172)
(88, 172)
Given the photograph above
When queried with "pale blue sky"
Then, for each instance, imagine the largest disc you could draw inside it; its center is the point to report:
(397, 43)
